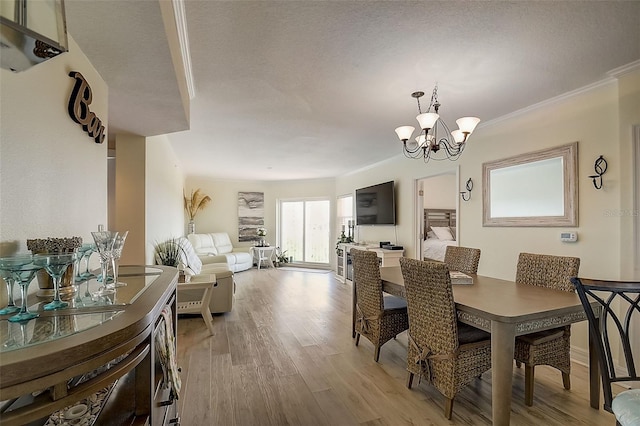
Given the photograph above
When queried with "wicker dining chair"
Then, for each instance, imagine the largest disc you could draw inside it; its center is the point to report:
(463, 259)
(619, 306)
(549, 347)
(446, 353)
(378, 318)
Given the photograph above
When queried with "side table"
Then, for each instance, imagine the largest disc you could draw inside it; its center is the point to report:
(263, 254)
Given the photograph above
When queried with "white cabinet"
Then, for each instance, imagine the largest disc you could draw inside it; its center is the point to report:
(344, 268)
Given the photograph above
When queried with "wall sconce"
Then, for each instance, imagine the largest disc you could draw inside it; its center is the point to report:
(600, 166)
(469, 186)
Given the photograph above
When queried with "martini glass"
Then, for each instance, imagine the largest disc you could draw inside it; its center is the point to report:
(104, 246)
(11, 307)
(56, 265)
(23, 269)
(118, 245)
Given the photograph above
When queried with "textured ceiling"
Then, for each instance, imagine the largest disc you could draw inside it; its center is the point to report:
(306, 89)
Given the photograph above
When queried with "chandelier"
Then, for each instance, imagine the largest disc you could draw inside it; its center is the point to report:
(435, 140)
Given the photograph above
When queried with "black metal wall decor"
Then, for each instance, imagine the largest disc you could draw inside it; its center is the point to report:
(600, 167)
(469, 186)
(79, 101)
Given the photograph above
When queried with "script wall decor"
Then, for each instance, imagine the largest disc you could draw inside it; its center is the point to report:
(250, 215)
(79, 101)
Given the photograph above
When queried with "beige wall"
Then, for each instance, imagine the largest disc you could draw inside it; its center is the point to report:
(130, 211)
(440, 192)
(600, 119)
(164, 204)
(222, 214)
(53, 176)
(629, 108)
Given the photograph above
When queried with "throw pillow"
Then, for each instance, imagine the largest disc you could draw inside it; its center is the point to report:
(443, 233)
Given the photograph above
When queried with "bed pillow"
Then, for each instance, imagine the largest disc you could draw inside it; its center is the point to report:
(443, 233)
(431, 235)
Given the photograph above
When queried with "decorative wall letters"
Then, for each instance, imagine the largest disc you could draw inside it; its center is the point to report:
(79, 112)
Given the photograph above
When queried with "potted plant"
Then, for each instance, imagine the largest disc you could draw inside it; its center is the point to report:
(168, 253)
(281, 257)
(198, 201)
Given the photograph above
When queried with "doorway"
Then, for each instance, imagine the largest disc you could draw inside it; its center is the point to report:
(437, 203)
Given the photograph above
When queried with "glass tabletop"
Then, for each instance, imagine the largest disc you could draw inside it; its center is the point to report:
(88, 307)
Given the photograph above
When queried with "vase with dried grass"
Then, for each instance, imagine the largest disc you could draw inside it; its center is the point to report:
(192, 205)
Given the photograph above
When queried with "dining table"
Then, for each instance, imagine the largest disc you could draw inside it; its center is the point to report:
(507, 309)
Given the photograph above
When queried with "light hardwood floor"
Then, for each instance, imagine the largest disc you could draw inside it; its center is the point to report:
(285, 356)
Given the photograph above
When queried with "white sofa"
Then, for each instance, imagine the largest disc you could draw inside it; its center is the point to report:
(224, 288)
(217, 248)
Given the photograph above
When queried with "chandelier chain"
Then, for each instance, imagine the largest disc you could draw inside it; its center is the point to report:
(434, 100)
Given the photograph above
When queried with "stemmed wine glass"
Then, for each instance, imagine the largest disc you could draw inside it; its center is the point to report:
(56, 265)
(23, 269)
(104, 246)
(84, 252)
(118, 245)
(11, 307)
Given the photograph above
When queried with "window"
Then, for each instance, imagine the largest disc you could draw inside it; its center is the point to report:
(304, 230)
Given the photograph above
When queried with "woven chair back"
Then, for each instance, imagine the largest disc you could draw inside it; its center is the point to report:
(366, 278)
(463, 259)
(430, 305)
(545, 270)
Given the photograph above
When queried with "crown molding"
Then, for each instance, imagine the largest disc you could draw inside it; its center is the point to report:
(625, 69)
(183, 38)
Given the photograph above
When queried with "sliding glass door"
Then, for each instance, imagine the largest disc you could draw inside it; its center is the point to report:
(304, 230)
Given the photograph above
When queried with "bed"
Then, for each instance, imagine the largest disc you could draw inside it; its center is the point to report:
(439, 233)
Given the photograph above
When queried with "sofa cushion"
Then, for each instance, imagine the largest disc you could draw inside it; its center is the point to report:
(188, 256)
(203, 244)
(222, 242)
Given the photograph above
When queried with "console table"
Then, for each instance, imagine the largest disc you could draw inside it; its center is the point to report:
(65, 356)
(344, 269)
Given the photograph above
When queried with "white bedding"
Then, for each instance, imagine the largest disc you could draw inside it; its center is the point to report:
(433, 248)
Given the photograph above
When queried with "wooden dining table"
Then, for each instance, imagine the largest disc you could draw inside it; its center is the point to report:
(507, 309)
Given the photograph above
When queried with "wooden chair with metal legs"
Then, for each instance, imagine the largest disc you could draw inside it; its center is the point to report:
(463, 259)
(446, 353)
(611, 326)
(549, 347)
(378, 318)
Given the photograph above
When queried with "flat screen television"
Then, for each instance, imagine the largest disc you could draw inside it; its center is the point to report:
(375, 205)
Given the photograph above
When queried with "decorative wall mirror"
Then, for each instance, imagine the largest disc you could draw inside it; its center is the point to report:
(534, 189)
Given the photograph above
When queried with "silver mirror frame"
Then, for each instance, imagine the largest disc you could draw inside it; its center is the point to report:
(569, 155)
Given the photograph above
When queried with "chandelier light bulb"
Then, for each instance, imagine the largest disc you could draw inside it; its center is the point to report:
(458, 136)
(427, 120)
(405, 132)
(467, 124)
